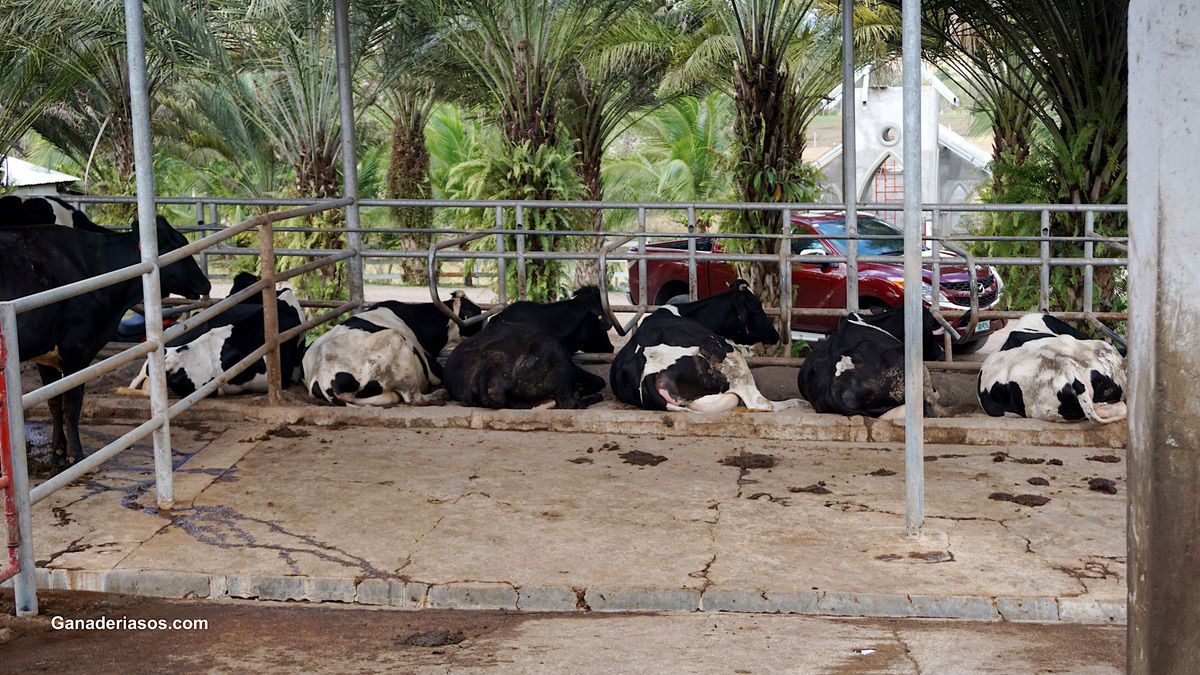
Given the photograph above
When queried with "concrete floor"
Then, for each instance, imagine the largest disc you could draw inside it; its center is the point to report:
(537, 520)
(262, 637)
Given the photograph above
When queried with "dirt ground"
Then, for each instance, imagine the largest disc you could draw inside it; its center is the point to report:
(260, 636)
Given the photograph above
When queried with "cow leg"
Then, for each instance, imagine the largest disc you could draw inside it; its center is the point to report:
(72, 409)
(58, 438)
(714, 403)
(933, 400)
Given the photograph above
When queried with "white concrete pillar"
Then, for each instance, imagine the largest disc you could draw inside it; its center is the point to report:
(1164, 441)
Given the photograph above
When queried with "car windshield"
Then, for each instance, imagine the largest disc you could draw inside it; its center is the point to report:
(867, 227)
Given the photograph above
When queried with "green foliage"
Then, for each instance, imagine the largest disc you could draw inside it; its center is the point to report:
(502, 170)
(1036, 180)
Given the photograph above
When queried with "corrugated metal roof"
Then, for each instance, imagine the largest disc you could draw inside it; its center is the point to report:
(19, 173)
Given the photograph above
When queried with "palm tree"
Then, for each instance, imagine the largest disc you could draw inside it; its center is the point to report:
(35, 74)
(776, 59)
(1069, 73)
(682, 155)
(524, 54)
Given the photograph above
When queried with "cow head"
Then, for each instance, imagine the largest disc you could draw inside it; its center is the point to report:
(591, 329)
(182, 277)
(746, 323)
(463, 308)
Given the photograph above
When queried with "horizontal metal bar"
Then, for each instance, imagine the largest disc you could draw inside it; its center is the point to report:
(213, 239)
(327, 259)
(341, 309)
(93, 461)
(43, 394)
(579, 204)
(220, 201)
(212, 311)
(81, 287)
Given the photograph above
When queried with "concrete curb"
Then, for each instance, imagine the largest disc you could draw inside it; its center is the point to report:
(414, 595)
(790, 425)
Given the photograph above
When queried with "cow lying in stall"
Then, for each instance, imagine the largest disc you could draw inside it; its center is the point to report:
(682, 358)
(1049, 371)
(64, 337)
(859, 369)
(523, 358)
(201, 354)
(386, 354)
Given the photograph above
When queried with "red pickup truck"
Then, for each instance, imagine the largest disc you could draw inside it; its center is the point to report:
(823, 285)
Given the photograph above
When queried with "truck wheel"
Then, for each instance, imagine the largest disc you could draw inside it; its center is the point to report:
(671, 293)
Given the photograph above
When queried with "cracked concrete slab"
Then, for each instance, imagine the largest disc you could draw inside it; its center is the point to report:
(463, 518)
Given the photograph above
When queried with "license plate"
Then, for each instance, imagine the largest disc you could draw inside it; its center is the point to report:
(983, 325)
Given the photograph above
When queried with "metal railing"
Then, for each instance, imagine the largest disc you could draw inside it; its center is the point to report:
(611, 247)
(608, 250)
(18, 498)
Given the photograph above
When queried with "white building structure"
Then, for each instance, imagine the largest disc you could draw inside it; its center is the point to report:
(952, 166)
(20, 177)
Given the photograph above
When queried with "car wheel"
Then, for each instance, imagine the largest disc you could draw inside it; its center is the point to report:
(872, 306)
(670, 294)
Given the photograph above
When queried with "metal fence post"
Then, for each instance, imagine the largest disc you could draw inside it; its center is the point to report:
(349, 149)
(693, 283)
(147, 228)
(1044, 295)
(266, 243)
(501, 262)
(520, 222)
(914, 418)
(785, 282)
(849, 156)
(643, 293)
(13, 415)
(1089, 231)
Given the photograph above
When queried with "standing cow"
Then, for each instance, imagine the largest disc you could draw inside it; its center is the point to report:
(523, 358)
(682, 358)
(64, 337)
(386, 354)
(859, 369)
(44, 210)
(1049, 371)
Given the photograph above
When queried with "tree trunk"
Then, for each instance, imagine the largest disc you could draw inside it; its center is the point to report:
(587, 272)
(408, 178)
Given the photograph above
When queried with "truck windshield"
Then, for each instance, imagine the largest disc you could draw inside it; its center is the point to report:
(890, 240)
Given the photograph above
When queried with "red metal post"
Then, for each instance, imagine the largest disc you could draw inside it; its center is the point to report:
(12, 565)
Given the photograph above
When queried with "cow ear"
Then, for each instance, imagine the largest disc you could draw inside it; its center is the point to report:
(739, 285)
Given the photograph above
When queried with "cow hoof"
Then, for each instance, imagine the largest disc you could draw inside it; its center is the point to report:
(784, 405)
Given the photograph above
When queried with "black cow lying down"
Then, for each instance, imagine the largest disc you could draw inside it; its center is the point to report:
(682, 357)
(1049, 371)
(522, 359)
(64, 337)
(201, 354)
(386, 354)
(859, 369)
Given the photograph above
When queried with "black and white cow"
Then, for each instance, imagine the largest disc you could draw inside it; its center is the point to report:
(859, 369)
(45, 210)
(201, 354)
(683, 358)
(386, 354)
(1049, 371)
(522, 359)
(64, 337)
